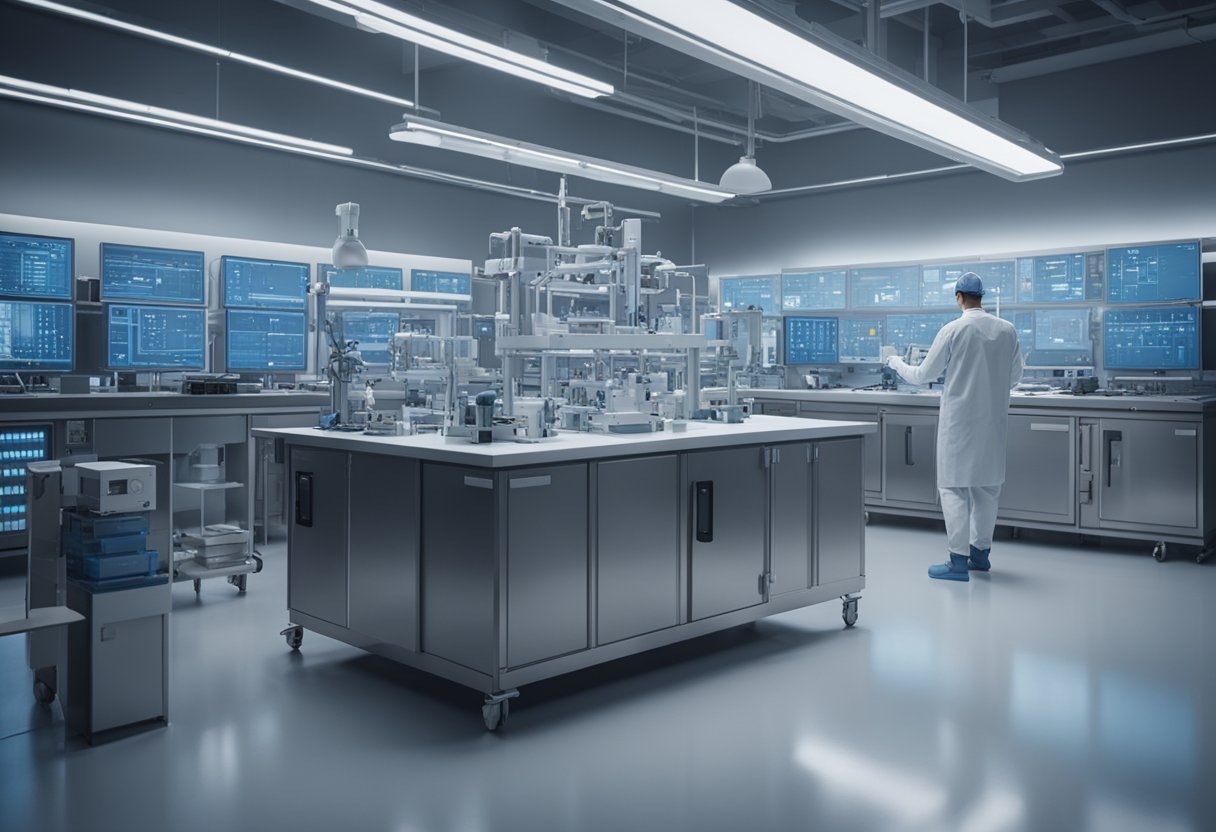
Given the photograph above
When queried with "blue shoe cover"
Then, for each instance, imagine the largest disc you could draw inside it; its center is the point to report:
(955, 570)
(979, 559)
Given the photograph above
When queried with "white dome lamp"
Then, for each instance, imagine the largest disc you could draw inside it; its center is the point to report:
(745, 176)
(349, 252)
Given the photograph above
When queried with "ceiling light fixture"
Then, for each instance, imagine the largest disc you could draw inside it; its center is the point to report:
(814, 65)
(207, 49)
(461, 140)
(120, 108)
(388, 20)
(745, 176)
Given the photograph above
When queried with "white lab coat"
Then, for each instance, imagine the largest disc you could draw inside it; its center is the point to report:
(982, 360)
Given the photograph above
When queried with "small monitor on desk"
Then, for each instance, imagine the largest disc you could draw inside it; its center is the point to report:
(811, 340)
(266, 341)
(153, 338)
(33, 266)
(36, 336)
(1151, 338)
(250, 283)
(373, 330)
(157, 275)
(368, 277)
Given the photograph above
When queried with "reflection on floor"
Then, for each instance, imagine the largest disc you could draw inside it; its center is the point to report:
(1065, 691)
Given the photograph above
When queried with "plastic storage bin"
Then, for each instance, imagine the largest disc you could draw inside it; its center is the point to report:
(108, 567)
(94, 525)
(78, 546)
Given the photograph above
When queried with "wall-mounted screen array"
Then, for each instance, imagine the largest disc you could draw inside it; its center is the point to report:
(1151, 338)
(888, 286)
(937, 282)
(36, 336)
(368, 277)
(861, 339)
(264, 284)
(737, 294)
(157, 275)
(1054, 337)
(155, 337)
(809, 291)
(266, 341)
(1061, 278)
(448, 283)
(1154, 273)
(904, 330)
(33, 266)
(811, 340)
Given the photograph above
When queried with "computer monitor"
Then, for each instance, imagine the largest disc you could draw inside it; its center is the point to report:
(368, 277)
(36, 336)
(1061, 278)
(1157, 273)
(811, 291)
(811, 340)
(33, 266)
(159, 275)
(448, 283)
(155, 337)
(762, 292)
(373, 331)
(860, 339)
(265, 341)
(921, 329)
(1053, 337)
(886, 286)
(937, 282)
(1151, 338)
(264, 284)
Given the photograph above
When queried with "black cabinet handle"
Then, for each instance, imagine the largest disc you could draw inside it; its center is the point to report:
(705, 511)
(908, 460)
(303, 499)
(1109, 438)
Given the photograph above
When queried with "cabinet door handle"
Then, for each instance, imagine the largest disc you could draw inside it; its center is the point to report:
(705, 511)
(1114, 455)
(1048, 426)
(908, 460)
(303, 498)
(1087, 437)
(479, 482)
(1088, 493)
(1185, 433)
(531, 482)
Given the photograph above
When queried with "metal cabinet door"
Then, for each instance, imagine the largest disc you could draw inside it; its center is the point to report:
(637, 546)
(547, 564)
(772, 408)
(728, 490)
(1149, 473)
(1039, 469)
(871, 442)
(316, 543)
(839, 515)
(909, 444)
(790, 516)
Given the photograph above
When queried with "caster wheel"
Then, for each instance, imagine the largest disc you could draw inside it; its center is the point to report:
(294, 636)
(492, 715)
(43, 694)
(849, 613)
(240, 582)
(1159, 552)
(257, 559)
(198, 585)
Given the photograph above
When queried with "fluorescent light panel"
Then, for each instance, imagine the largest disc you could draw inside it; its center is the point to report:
(832, 74)
(388, 20)
(436, 134)
(207, 49)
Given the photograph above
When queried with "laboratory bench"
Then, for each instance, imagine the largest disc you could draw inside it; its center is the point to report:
(498, 565)
(1119, 466)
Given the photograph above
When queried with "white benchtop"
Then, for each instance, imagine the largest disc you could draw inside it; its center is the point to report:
(572, 446)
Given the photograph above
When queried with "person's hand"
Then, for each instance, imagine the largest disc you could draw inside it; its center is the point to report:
(891, 359)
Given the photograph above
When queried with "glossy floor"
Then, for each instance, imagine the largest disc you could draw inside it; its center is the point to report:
(1068, 690)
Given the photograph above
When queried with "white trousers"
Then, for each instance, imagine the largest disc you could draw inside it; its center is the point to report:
(970, 516)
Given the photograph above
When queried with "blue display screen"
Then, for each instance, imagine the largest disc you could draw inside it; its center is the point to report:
(740, 293)
(811, 340)
(937, 282)
(1154, 338)
(860, 339)
(32, 266)
(1061, 278)
(373, 331)
(265, 284)
(155, 337)
(1053, 337)
(368, 277)
(266, 341)
(36, 336)
(809, 291)
(905, 330)
(448, 283)
(888, 286)
(1154, 273)
(161, 275)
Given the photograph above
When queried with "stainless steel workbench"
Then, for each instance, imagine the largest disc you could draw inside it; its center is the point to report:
(500, 565)
(1101, 466)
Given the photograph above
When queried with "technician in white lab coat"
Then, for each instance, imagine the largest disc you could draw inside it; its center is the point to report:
(982, 360)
